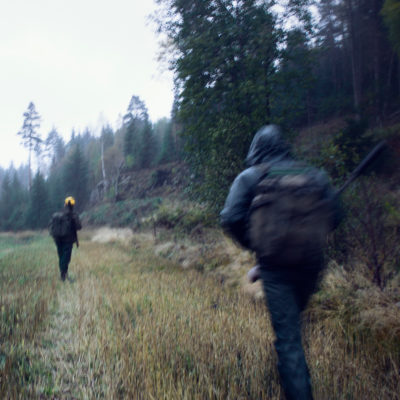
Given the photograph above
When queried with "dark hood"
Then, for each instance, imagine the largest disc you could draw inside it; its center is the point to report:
(267, 146)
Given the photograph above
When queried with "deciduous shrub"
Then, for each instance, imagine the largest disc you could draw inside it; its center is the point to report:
(370, 231)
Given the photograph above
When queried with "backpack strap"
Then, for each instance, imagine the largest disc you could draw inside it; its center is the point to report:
(258, 199)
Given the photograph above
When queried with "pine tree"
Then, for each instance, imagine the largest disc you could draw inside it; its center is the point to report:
(19, 198)
(30, 136)
(54, 147)
(39, 211)
(136, 121)
(291, 100)
(148, 146)
(130, 143)
(75, 176)
(56, 188)
(5, 202)
(168, 151)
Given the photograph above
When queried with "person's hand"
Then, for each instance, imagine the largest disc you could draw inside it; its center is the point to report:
(254, 274)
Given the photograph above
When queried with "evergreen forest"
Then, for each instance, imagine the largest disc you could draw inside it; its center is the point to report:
(327, 72)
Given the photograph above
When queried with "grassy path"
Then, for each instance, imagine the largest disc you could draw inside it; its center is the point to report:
(65, 344)
(131, 325)
(57, 342)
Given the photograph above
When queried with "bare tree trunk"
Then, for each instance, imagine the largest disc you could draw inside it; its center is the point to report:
(103, 170)
(29, 170)
(376, 31)
(353, 55)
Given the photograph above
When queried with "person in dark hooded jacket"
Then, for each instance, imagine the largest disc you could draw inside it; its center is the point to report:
(64, 244)
(287, 289)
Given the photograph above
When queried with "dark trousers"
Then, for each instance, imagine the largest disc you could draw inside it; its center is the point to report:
(287, 293)
(64, 250)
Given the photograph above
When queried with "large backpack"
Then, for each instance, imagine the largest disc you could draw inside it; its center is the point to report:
(60, 225)
(289, 217)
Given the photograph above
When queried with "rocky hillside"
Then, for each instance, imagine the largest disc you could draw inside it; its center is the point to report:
(166, 181)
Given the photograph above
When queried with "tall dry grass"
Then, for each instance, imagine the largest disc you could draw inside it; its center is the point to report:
(132, 325)
(27, 288)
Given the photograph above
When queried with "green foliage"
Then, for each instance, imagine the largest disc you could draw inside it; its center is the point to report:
(13, 203)
(56, 188)
(340, 153)
(223, 70)
(168, 149)
(54, 147)
(75, 176)
(129, 140)
(140, 146)
(184, 220)
(293, 81)
(353, 144)
(129, 161)
(38, 214)
(148, 147)
(391, 16)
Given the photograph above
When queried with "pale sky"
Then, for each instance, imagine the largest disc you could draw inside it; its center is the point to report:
(79, 62)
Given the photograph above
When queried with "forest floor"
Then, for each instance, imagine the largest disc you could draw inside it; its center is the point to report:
(130, 323)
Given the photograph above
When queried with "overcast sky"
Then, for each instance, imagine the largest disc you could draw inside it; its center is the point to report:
(79, 62)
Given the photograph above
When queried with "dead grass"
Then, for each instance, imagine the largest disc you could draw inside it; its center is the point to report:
(135, 325)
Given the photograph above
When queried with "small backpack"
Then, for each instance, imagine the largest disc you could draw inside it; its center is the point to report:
(289, 218)
(60, 225)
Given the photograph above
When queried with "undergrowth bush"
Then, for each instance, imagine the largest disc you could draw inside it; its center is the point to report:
(340, 153)
(184, 219)
(369, 234)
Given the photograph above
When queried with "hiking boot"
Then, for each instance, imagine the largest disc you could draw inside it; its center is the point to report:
(63, 276)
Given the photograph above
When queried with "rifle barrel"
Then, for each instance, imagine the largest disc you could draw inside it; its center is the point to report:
(371, 156)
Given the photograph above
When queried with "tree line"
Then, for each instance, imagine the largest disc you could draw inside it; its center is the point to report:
(238, 64)
(80, 165)
(244, 63)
